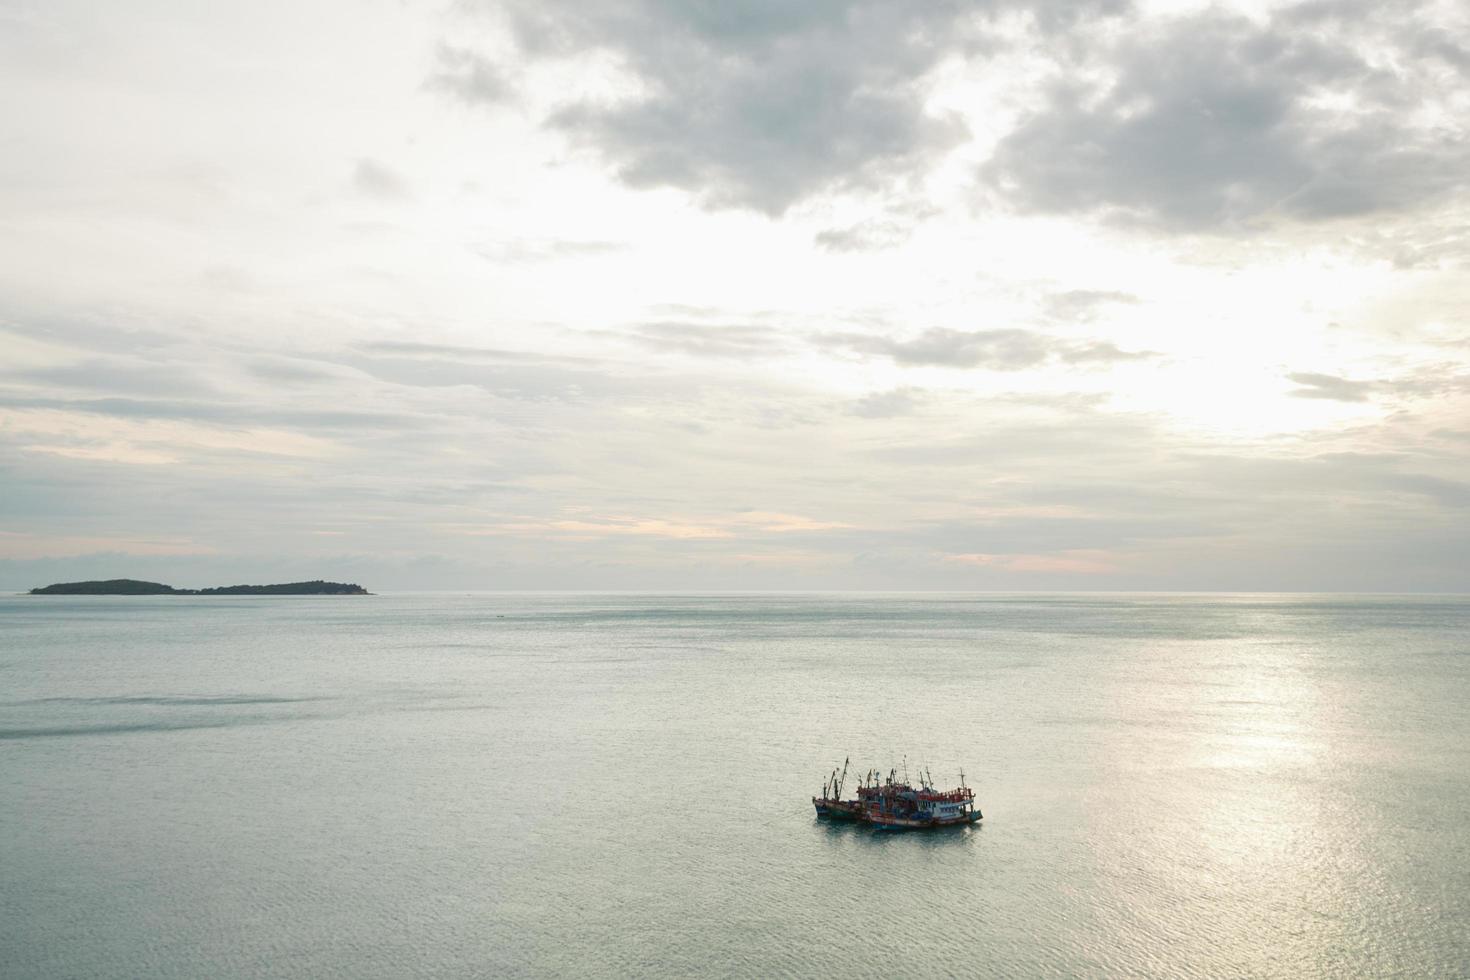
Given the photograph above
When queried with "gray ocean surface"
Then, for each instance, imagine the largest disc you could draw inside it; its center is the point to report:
(503, 785)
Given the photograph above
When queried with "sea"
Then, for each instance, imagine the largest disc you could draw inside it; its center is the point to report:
(619, 785)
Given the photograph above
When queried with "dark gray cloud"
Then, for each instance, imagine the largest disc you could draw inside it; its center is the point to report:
(469, 76)
(1219, 122)
(758, 104)
(1207, 122)
(1330, 387)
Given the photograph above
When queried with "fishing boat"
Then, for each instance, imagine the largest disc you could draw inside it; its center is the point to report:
(893, 803)
(831, 804)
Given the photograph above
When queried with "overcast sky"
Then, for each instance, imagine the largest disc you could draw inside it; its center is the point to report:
(736, 294)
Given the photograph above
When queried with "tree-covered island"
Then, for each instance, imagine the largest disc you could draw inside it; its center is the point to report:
(129, 586)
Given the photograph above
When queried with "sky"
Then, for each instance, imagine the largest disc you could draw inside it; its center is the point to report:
(736, 294)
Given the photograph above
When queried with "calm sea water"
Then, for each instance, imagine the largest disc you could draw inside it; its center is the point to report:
(559, 785)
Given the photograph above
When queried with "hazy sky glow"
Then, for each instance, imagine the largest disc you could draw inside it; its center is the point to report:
(700, 294)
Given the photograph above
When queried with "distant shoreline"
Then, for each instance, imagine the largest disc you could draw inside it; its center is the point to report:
(128, 586)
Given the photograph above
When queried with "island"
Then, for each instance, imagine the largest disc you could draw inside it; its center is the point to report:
(129, 586)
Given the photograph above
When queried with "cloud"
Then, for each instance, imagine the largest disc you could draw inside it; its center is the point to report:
(1215, 122)
(517, 375)
(222, 412)
(1001, 350)
(866, 236)
(1449, 493)
(773, 522)
(887, 404)
(1211, 121)
(758, 105)
(1077, 434)
(19, 545)
(1330, 387)
(1102, 352)
(709, 340)
(1430, 381)
(996, 350)
(109, 334)
(588, 527)
(416, 349)
(372, 179)
(123, 375)
(544, 251)
(522, 382)
(1087, 562)
(1083, 305)
(150, 441)
(469, 77)
(598, 527)
(295, 370)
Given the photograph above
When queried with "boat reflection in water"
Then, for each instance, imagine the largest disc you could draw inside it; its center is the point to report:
(891, 803)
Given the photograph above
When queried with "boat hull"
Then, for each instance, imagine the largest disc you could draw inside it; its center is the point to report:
(912, 823)
(854, 812)
(836, 809)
